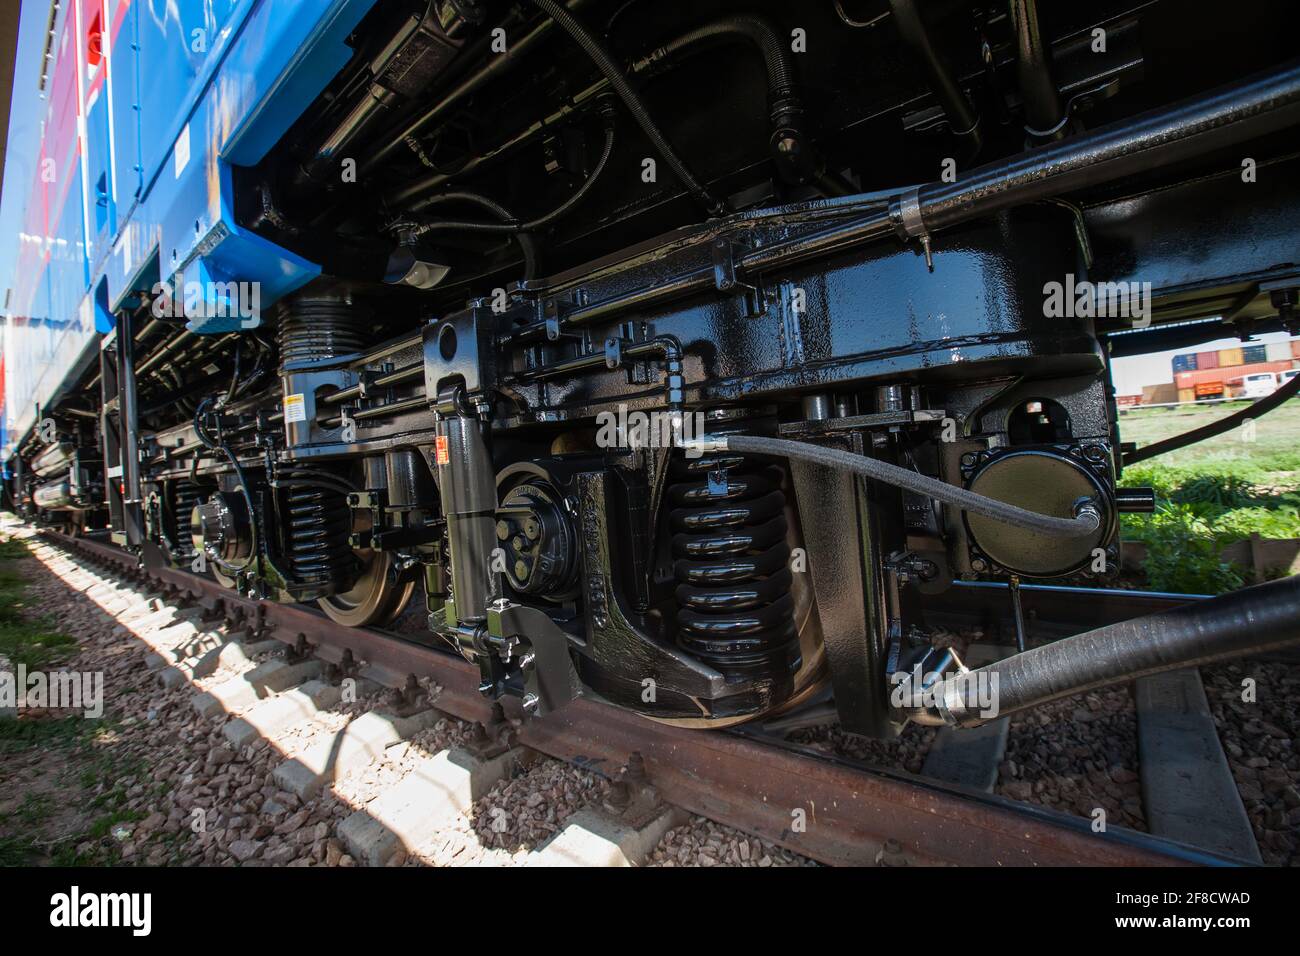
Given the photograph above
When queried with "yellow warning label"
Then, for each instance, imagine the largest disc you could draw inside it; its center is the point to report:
(295, 409)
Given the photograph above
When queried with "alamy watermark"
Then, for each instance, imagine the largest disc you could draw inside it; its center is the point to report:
(1098, 300)
(209, 300)
(60, 690)
(660, 429)
(916, 691)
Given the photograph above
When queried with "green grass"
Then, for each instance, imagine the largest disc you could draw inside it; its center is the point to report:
(11, 549)
(1213, 493)
(85, 744)
(17, 735)
(24, 639)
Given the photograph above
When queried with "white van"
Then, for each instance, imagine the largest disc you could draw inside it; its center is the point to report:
(1258, 385)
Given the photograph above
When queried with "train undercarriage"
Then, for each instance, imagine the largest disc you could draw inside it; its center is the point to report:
(692, 383)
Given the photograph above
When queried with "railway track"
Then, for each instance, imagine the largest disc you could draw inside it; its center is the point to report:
(262, 671)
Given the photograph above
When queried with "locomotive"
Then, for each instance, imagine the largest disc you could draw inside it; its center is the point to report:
(684, 356)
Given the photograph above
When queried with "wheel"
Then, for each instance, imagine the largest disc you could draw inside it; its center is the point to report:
(374, 600)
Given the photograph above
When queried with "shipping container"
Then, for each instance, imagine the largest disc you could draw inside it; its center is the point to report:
(1160, 394)
(1211, 389)
(1251, 354)
(1192, 379)
(1279, 351)
(1187, 394)
(1185, 363)
(1229, 357)
(1295, 348)
(1206, 360)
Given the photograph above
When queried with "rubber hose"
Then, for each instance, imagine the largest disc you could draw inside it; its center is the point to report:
(1085, 523)
(533, 225)
(527, 244)
(619, 84)
(1254, 410)
(776, 58)
(1259, 618)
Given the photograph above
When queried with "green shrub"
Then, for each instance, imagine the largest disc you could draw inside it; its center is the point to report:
(1183, 553)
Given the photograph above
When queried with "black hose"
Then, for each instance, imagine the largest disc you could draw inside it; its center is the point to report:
(514, 227)
(962, 118)
(619, 84)
(213, 445)
(1255, 409)
(1085, 522)
(776, 56)
(795, 156)
(527, 244)
(1252, 620)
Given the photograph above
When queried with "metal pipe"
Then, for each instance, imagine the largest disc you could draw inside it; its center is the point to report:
(405, 374)
(1260, 105)
(1230, 115)
(1045, 118)
(1225, 117)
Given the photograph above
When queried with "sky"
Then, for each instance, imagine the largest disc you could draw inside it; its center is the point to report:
(24, 133)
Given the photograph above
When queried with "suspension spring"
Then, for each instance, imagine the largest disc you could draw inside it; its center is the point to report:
(319, 327)
(316, 535)
(735, 609)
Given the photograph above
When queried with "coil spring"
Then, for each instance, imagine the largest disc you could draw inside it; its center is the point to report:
(735, 609)
(185, 495)
(317, 535)
(318, 327)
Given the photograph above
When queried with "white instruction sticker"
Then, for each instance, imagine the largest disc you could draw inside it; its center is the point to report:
(181, 155)
(295, 409)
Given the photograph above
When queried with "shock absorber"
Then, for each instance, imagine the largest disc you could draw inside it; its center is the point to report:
(313, 329)
(735, 609)
(316, 534)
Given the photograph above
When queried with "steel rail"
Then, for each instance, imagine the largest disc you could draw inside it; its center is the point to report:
(850, 815)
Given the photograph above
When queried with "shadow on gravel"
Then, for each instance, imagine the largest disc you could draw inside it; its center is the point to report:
(153, 782)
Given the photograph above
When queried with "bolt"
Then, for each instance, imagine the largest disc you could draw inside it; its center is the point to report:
(619, 796)
(891, 854)
(636, 766)
(530, 702)
(979, 564)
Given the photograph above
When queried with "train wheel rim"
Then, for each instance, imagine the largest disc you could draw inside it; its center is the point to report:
(374, 600)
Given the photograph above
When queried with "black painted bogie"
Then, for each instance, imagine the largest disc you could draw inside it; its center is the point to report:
(490, 392)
